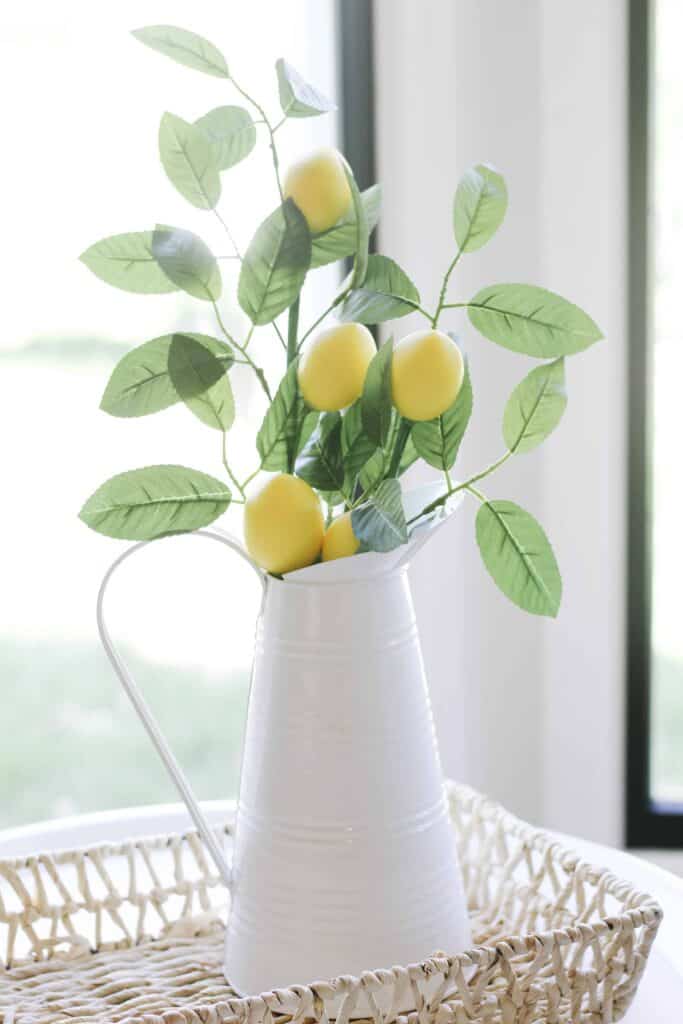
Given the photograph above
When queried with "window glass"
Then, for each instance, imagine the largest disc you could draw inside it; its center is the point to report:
(667, 367)
(86, 100)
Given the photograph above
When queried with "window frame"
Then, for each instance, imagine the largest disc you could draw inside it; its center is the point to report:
(356, 71)
(649, 825)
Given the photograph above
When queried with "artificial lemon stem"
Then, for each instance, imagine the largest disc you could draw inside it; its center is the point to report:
(402, 436)
(245, 483)
(333, 305)
(425, 313)
(467, 485)
(279, 334)
(486, 472)
(230, 473)
(240, 348)
(444, 287)
(292, 331)
(233, 243)
(477, 494)
(271, 131)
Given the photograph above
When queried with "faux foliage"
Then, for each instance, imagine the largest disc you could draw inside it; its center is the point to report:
(353, 458)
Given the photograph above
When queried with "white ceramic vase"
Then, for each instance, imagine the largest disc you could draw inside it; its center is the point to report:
(344, 858)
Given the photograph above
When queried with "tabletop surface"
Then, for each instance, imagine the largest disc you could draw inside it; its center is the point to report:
(660, 995)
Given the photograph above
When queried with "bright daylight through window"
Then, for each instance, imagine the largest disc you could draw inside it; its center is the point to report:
(666, 206)
(91, 166)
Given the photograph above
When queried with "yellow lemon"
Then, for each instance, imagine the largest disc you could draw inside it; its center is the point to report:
(333, 367)
(340, 541)
(283, 524)
(319, 188)
(427, 371)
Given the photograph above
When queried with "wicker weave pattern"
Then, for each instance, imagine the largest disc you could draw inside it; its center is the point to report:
(560, 942)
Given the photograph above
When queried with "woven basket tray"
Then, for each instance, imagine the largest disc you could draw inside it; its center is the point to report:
(133, 932)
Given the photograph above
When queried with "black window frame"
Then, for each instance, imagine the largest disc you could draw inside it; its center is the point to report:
(648, 824)
(356, 73)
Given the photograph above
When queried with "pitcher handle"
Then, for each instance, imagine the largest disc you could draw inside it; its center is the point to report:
(154, 732)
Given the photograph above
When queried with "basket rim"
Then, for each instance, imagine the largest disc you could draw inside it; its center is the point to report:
(644, 910)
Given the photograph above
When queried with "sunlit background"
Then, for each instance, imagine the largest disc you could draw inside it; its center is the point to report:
(86, 100)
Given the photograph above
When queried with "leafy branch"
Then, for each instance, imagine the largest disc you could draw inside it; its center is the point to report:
(270, 129)
(242, 349)
(353, 454)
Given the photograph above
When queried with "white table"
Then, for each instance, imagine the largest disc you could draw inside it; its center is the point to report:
(660, 996)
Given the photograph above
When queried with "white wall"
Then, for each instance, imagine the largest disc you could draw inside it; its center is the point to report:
(530, 711)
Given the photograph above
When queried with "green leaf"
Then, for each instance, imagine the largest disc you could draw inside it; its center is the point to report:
(184, 47)
(352, 427)
(305, 425)
(535, 407)
(188, 159)
(519, 557)
(127, 262)
(340, 241)
(374, 469)
(286, 426)
(438, 441)
(320, 463)
(479, 207)
(140, 383)
(297, 97)
(146, 503)
(275, 264)
(531, 320)
(332, 498)
(360, 263)
(380, 523)
(376, 405)
(231, 134)
(409, 456)
(357, 447)
(201, 380)
(387, 293)
(188, 262)
(216, 407)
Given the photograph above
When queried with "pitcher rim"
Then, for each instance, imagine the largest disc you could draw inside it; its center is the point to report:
(397, 570)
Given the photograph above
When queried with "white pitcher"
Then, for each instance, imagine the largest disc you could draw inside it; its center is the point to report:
(344, 858)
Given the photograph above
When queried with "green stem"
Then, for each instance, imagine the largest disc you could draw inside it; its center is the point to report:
(240, 348)
(456, 305)
(476, 493)
(230, 473)
(279, 334)
(245, 483)
(402, 436)
(271, 131)
(486, 472)
(465, 486)
(333, 305)
(444, 287)
(292, 331)
(233, 243)
(425, 313)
